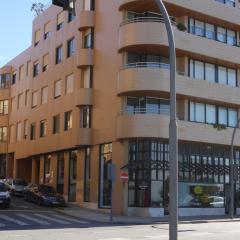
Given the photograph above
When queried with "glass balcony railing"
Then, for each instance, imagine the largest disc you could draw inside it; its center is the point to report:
(146, 65)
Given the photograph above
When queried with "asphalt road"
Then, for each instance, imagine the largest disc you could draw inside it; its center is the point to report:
(27, 221)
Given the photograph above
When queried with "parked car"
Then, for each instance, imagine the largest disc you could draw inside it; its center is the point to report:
(216, 201)
(43, 195)
(16, 186)
(5, 198)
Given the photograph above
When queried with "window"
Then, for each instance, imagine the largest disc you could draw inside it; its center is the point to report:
(21, 72)
(70, 47)
(212, 73)
(14, 78)
(85, 112)
(25, 129)
(26, 97)
(3, 107)
(59, 54)
(68, 120)
(89, 5)
(20, 101)
(37, 37)
(34, 99)
(87, 76)
(211, 31)
(5, 80)
(43, 129)
(35, 69)
(60, 20)
(32, 131)
(11, 140)
(69, 83)
(44, 95)
(47, 30)
(3, 134)
(212, 114)
(88, 39)
(28, 68)
(71, 17)
(19, 132)
(56, 124)
(57, 88)
(45, 62)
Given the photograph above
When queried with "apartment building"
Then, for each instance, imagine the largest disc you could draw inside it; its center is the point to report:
(93, 90)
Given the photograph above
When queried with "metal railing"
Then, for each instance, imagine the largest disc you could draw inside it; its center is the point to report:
(146, 19)
(138, 110)
(146, 65)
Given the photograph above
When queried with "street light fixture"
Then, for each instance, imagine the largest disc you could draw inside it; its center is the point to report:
(173, 138)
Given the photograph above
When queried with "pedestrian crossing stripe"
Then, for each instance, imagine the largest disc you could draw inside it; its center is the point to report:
(23, 219)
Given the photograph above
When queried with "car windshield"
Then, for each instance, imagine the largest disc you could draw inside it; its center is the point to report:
(46, 189)
(3, 188)
(19, 182)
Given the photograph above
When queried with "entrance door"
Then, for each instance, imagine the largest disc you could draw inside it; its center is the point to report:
(72, 176)
(60, 173)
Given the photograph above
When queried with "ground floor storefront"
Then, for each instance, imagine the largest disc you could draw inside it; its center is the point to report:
(82, 175)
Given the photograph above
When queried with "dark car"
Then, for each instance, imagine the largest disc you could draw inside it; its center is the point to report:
(5, 198)
(43, 195)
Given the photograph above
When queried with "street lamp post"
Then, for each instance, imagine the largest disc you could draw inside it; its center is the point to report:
(232, 172)
(173, 139)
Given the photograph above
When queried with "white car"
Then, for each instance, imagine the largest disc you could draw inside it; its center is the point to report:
(216, 201)
(5, 198)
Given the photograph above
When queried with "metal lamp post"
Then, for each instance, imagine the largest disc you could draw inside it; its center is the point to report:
(173, 139)
(232, 172)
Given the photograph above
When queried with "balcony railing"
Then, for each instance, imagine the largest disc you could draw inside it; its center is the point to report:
(147, 19)
(227, 2)
(137, 110)
(146, 65)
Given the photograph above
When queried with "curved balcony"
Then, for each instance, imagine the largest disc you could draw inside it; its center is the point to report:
(84, 96)
(157, 126)
(147, 78)
(85, 57)
(135, 35)
(87, 20)
(210, 8)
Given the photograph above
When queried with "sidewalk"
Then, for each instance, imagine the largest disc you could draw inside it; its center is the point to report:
(98, 216)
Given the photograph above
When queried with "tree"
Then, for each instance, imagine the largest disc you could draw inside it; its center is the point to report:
(37, 8)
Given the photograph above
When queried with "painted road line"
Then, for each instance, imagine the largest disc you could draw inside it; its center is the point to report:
(70, 219)
(33, 219)
(52, 219)
(9, 219)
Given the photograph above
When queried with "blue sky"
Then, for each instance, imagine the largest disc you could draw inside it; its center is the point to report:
(16, 27)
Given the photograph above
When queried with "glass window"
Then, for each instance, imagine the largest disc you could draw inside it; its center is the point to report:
(4, 107)
(132, 105)
(32, 131)
(19, 131)
(68, 120)
(191, 68)
(231, 37)
(69, 83)
(89, 5)
(199, 70)
(210, 33)
(222, 115)
(44, 95)
(43, 129)
(57, 88)
(222, 75)
(34, 99)
(59, 54)
(86, 79)
(200, 112)
(210, 72)
(3, 134)
(153, 105)
(56, 124)
(37, 37)
(232, 117)
(199, 28)
(25, 129)
(60, 20)
(221, 34)
(210, 114)
(85, 117)
(192, 111)
(45, 62)
(47, 30)
(70, 47)
(232, 77)
(35, 69)
(191, 26)
(88, 40)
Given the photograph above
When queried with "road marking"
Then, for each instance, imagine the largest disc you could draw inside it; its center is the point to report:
(52, 219)
(33, 219)
(9, 219)
(70, 219)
